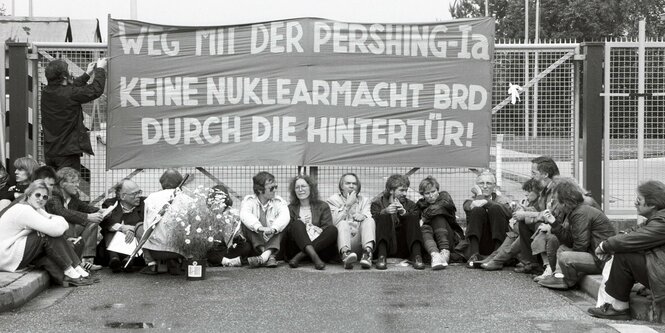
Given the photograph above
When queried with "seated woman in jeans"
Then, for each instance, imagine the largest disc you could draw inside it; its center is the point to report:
(30, 235)
(311, 231)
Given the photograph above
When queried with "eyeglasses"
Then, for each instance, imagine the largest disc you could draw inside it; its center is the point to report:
(272, 188)
(76, 183)
(302, 187)
(484, 183)
(133, 194)
(42, 196)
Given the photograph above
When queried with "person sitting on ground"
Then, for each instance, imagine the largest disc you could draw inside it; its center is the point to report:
(547, 244)
(83, 219)
(397, 224)
(30, 235)
(44, 172)
(487, 215)
(579, 228)
(230, 244)
(440, 230)
(354, 222)
(527, 212)
(5, 197)
(264, 217)
(158, 247)
(311, 232)
(126, 218)
(24, 167)
(543, 170)
(639, 256)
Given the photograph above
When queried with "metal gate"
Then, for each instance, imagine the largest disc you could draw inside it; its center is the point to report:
(634, 146)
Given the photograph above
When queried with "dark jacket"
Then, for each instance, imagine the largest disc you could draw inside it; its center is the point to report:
(76, 211)
(321, 216)
(381, 202)
(583, 229)
(62, 115)
(648, 238)
(494, 200)
(135, 217)
(444, 206)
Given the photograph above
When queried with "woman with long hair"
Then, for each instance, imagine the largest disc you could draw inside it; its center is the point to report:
(311, 228)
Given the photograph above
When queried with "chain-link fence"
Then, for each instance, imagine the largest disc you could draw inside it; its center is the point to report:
(529, 129)
(621, 89)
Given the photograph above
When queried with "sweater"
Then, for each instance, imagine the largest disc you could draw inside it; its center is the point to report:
(15, 226)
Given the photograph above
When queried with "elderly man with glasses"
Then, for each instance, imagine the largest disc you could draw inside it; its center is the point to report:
(83, 219)
(264, 216)
(126, 217)
(487, 214)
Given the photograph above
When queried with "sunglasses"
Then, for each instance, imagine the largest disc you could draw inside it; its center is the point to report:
(42, 196)
(272, 188)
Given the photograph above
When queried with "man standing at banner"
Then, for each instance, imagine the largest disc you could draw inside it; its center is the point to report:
(264, 216)
(65, 136)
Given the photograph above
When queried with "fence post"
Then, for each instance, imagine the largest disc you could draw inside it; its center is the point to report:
(18, 88)
(592, 119)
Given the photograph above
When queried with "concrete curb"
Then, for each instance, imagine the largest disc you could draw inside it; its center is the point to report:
(640, 306)
(23, 289)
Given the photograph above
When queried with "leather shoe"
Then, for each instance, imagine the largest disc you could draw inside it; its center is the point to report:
(75, 282)
(553, 283)
(607, 311)
(115, 265)
(418, 262)
(381, 263)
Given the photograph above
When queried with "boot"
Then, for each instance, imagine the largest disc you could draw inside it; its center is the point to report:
(295, 261)
(318, 263)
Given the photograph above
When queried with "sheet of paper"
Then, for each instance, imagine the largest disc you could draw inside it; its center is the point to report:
(119, 245)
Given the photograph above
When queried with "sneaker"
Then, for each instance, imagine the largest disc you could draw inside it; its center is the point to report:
(445, 257)
(553, 283)
(366, 260)
(546, 273)
(89, 265)
(255, 261)
(349, 258)
(271, 262)
(607, 311)
(235, 262)
(437, 261)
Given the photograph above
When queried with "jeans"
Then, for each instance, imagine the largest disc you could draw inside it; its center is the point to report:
(364, 236)
(257, 241)
(54, 254)
(438, 235)
(88, 234)
(574, 265)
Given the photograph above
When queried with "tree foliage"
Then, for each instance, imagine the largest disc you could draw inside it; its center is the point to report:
(583, 20)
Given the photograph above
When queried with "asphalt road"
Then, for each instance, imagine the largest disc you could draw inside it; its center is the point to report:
(304, 300)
